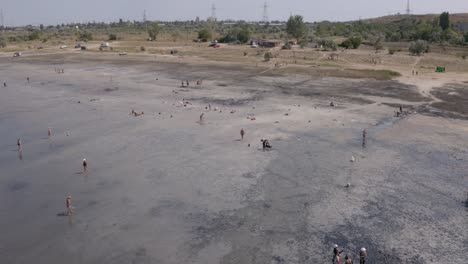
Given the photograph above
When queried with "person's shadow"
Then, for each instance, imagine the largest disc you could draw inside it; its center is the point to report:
(62, 214)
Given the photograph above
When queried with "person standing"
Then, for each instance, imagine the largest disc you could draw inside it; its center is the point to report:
(201, 117)
(68, 203)
(364, 137)
(49, 132)
(362, 256)
(336, 255)
(348, 260)
(18, 142)
(242, 133)
(85, 166)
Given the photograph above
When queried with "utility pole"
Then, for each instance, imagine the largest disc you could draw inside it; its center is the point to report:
(144, 16)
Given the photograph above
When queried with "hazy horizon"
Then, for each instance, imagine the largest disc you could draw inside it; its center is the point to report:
(51, 12)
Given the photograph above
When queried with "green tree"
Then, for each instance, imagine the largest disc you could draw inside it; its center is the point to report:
(327, 44)
(41, 27)
(34, 35)
(3, 42)
(204, 34)
(418, 47)
(351, 43)
(85, 36)
(296, 27)
(444, 20)
(244, 35)
(153, 31)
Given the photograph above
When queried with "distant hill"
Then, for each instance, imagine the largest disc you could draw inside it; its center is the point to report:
(454, 18)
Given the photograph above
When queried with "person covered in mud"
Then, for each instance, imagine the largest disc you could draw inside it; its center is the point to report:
(336, 254)
(68, 203)
(201, 117)
(348, 260)
(85, 166)
(364, 137)
(362, 256)
(265, 144)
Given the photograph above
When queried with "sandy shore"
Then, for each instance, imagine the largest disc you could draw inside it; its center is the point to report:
(163, 188)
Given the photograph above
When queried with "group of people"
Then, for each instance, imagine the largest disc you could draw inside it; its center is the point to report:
(187, 83)
(348, 260)
(136, 113)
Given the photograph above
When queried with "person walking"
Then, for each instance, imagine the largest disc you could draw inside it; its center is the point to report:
(242, 133)
(364, 137)
(85, 166)
(68, 203)
(362, 256)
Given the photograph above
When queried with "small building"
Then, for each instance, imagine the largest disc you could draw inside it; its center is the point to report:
(274, 43)
(463, 27)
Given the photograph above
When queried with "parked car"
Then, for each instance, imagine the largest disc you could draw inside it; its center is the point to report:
(17, 54)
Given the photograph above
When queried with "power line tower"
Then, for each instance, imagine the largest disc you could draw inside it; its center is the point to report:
(265, 13)
(213, 11)
(408, 9)
(1, 19)
(144, 16)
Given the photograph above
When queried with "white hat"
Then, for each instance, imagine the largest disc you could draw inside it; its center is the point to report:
(84, 159)
(335, 246)
(363, 249)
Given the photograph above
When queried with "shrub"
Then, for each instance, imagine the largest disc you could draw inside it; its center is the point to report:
(391, 51)
(204, 34)
(3, 42)
(327, 44)
(112, 37)
(268, 56)
(34, 35)
(351, 43)
(85, 36)
(142, 48)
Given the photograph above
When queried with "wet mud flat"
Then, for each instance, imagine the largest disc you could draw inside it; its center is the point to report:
(166, 188)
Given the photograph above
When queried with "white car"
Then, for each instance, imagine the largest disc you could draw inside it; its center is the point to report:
(105, 45)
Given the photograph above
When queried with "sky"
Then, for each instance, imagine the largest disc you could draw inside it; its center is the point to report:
(47, 12)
